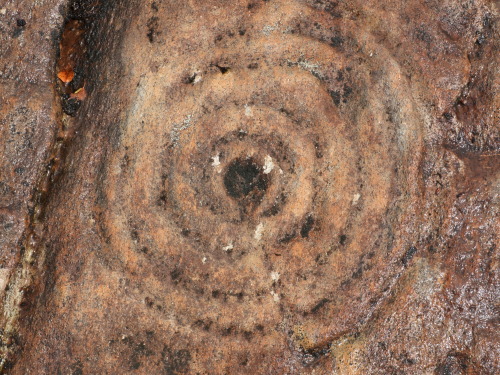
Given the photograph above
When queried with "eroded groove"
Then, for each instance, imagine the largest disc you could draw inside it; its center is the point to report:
(69, 78)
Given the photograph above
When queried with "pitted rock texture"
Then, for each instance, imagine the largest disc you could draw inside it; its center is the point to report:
(28, 115)
(265, 187)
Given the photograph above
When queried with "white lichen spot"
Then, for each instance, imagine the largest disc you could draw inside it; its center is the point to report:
(275, 295)
(4, 278)
(216, 160)
(248, 111)
(268, 29)
(275, 276)
(229, 247)
(3, 11)
(258, 232)
(204, 260)
(268, 164)
(306, 65)
(309, 66)
(177, 128)
(216, 163)
(197, 78)
(355, 198)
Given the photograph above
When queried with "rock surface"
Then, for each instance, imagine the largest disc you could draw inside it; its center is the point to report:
(257, 187)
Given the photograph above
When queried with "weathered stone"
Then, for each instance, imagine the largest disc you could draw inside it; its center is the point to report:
(263, 187)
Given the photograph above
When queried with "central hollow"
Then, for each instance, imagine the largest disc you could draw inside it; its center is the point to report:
(245, 180)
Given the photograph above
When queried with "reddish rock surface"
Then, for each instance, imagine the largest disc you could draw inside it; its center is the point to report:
(262, 187)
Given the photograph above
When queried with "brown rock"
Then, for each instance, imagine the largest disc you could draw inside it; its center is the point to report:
(263, 187)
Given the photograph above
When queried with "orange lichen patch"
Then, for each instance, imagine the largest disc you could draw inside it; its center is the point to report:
(66, 75)
(70, 65)
(79, 94)
(71, 46)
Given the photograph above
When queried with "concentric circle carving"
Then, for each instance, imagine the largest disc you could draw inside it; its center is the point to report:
(268, 187)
